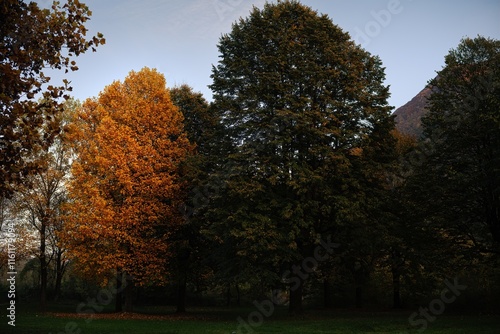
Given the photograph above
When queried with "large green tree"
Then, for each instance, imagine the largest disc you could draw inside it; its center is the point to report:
(460, 174)
(32, 41)
(306, 113)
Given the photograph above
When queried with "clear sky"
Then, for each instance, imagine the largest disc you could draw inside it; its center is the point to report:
(179, 37)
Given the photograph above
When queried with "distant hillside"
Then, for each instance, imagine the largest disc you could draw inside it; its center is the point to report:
(408, 117)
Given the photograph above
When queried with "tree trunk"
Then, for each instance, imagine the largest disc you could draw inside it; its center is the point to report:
(43, 267)
(238, 301)
(327, 293)
(361, 276)
(359, 296)
(59, 274)
(228, 294)
(396, 285)
(129, 293)
(184, 252)
(181, 293)
(119, 290)
(295, 306)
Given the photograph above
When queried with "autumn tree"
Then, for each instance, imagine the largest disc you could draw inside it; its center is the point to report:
(126, 192)
(33, 41)
(41, 199)
(306, 113)
(41, 204)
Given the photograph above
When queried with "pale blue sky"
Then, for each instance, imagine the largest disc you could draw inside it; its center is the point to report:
(179, 38)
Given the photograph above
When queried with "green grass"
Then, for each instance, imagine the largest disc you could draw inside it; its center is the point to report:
(224, 321)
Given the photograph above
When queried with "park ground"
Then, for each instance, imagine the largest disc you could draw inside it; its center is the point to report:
(62, 318)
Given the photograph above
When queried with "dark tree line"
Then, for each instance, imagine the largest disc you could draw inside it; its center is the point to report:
(306, 148)
(298, 150)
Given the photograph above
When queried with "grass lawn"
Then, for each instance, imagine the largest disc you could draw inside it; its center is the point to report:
(225, 321)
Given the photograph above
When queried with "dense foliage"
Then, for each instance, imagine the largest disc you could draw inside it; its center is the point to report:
(306, 114)
(33, 40)
(125, 191)
(291, 186)
(462, 130)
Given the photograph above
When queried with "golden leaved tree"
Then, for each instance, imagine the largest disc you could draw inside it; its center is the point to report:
(126, 191)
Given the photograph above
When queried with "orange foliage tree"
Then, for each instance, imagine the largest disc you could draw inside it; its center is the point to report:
(126, 191)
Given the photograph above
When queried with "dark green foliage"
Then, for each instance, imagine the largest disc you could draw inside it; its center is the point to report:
(191, 248)
(445, 202)
(199, 123)
(307, 116)
(462, 130)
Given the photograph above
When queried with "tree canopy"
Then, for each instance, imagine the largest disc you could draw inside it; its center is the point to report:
(126, 191)
(305, 110)
(462, 143)
(33, 40)
(291, 184)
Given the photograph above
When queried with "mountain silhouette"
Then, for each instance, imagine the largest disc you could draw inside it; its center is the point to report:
(408, 117)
